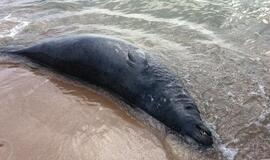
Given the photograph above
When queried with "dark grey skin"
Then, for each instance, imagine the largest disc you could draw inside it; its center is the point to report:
(128, 71)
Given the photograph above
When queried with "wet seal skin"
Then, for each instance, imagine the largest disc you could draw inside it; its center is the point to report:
(128, 71)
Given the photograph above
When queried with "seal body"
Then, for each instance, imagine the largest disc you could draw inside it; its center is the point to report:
(128, 71)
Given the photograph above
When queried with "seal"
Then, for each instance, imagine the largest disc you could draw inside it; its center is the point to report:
(130, 72)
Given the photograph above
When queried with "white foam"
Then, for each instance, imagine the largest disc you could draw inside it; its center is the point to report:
(213, 38)
(262, 90)
(228, 153)
(16, 29)
(159, 40)
(7, 17)
(268, 127)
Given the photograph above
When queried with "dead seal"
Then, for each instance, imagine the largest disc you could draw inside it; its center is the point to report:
(128, 71)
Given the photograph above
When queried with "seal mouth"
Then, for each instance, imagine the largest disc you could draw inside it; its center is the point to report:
(202, 135)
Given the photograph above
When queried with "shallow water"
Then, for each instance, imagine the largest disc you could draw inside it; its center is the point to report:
(220, 49)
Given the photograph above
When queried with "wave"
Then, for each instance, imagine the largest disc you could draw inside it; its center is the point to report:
(19, 27)
(200, 28)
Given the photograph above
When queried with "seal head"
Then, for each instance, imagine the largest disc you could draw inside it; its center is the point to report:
(186, 120)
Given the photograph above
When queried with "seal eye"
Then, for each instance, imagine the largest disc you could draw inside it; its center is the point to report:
(191, 108)
(188, 107)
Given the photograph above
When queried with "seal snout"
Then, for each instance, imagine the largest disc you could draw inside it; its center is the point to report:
(202, 134)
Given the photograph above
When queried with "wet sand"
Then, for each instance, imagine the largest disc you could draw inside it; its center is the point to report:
(48, 117)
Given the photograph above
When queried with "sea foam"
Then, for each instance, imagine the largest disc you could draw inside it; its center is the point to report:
(12, 32)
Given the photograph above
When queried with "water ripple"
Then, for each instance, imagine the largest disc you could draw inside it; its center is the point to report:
(12, 32)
